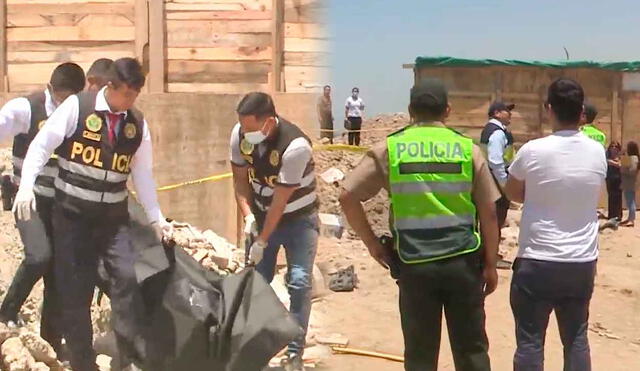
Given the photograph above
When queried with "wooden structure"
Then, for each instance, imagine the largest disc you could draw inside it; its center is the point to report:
(471, 89)
(217, 46)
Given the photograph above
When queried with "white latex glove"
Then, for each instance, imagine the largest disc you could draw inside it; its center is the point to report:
(163, 229)
(256, 252)
(24, 204)
(250, 227)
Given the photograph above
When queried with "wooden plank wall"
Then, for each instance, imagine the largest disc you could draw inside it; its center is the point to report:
(471, 90)
(306, 45)
(217, 46)
(40, 34)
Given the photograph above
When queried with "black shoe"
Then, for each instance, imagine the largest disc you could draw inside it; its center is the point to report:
(293, 362)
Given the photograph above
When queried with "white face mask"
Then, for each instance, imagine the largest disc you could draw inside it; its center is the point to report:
(256, 137)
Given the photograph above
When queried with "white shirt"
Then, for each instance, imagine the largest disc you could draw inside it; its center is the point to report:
(294, 159)
(63, 123)
(563, 175)
(354, 107)
(495, 150)
(15, 115)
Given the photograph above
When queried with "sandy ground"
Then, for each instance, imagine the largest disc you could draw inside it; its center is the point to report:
(369, 316)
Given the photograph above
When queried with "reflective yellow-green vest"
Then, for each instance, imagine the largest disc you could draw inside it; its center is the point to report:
(595, 134)
(431, 177)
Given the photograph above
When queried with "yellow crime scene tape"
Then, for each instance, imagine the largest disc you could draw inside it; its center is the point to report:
(215, 178)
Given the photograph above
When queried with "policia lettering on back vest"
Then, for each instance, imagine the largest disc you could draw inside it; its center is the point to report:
(22, 118)
(275, 187)
(444, 230)
(588, 128)
(100, 140)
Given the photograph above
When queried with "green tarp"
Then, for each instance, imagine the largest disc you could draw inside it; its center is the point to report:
(633, 66)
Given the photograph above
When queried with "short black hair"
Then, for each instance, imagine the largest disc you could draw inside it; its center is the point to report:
(67, 77)
(126, 71)
(256, 104)
(590, 112)
(566, 98)
(355, 88)
(429, 99)
(100, 68)
(327, 86)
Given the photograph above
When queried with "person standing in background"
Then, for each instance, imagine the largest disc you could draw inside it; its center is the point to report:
(325, 115)
(496, 141)
(587, 127)
(629, 172)
(354, 111)
(614, 181)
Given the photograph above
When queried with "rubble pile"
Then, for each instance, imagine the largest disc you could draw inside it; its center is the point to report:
(209, 249)
(375, 130)
(23, 350)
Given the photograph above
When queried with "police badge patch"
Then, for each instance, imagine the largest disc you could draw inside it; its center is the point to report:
(41, 124)
(246, 147)
(130, 130)
(93, 122)
(274, 158)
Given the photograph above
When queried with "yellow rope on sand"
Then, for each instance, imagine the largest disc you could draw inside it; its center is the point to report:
(367, 353)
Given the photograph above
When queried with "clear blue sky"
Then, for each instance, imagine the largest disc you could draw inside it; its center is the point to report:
(373, 38)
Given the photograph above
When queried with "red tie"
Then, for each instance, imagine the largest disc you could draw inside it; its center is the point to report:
(114, 120)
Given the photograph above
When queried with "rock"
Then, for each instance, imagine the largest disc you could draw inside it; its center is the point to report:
(40, 366)
(629, 255)
(331, 225)
(6, 333)
(39, 348)
(103, 362)
(15, 356)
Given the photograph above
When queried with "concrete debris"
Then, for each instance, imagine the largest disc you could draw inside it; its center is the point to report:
(40, 366)
(40, 349)
(333, 339)
(332, 175)
(103, 362)
(209, 249)
(331, 225)
(15, 356)
(599, 329)
(6, 333)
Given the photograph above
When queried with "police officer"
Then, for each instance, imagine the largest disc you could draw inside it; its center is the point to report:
(588, 128)
(100, 140)
(275, 188)
(98, 74)
(440, 188)
(496, 141)
(22, 118)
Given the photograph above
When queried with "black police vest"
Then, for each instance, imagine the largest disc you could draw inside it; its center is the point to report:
(44, 181)
(93, 173)
(264, 167)
(489, 129)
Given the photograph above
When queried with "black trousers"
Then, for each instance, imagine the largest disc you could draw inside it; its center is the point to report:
(80, 243)
(326, 124)
(454, 285)
(37, 263)
(537, 288)
(355, 123)
(614, 193)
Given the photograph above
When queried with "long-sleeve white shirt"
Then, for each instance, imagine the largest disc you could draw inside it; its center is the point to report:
(495, 149)
(15, 116)
(63, 123)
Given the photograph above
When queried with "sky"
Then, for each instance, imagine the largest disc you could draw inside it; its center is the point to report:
(372, 39)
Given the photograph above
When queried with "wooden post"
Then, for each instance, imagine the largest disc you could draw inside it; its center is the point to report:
(142, 36)
(498, 84)
(277, 45)
(157, 51)
(3, 47)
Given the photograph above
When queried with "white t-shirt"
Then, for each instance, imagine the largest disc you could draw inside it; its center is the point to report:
(563, 175)
(354, 107)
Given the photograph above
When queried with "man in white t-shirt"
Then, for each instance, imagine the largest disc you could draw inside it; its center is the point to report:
(353, 112)
(558, 178)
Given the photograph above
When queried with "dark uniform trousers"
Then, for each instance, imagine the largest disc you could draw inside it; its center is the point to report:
(38, 253)
(80, 243)
(455, 284)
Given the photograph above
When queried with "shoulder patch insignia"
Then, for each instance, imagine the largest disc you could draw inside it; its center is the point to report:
(274, 158)
(93, 122)
(246, 147)
(130, 130)
(41, 124)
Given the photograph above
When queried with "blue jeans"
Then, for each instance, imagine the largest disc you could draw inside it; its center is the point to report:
(300, 240)
(630, 198)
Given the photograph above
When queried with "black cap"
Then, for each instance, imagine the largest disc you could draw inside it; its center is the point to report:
(500, 106)
(430, 94)
(590, 112)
